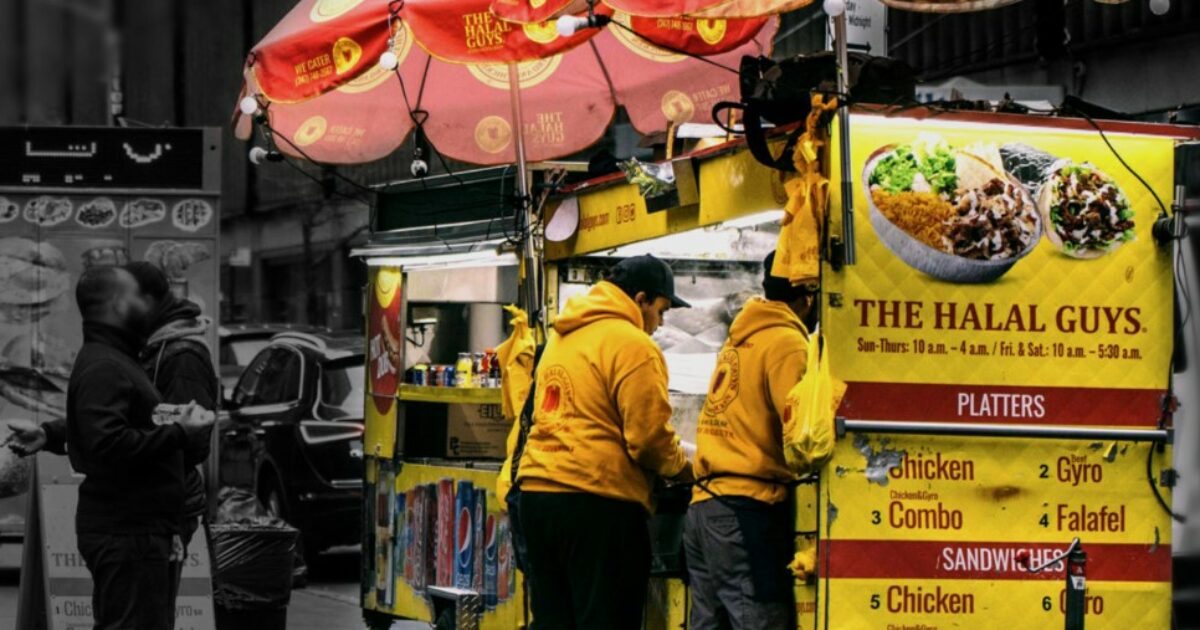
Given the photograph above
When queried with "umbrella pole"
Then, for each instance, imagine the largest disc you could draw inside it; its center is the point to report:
(843, 81)
(531, 252)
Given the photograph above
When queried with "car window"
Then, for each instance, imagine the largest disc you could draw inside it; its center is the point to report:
(342, 392)
(272, 378)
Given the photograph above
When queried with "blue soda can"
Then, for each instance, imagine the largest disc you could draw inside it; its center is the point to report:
(464, 535)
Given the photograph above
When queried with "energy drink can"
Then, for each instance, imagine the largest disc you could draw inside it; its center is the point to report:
(444, 532)
(477, 535)
(464, 535)
(503, 560)
(489, 562)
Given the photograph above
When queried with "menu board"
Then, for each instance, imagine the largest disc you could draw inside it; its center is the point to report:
(931, 532)
(1004, 274)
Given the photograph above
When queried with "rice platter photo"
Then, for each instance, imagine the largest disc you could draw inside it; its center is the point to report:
(1085, 212)
(954, 214)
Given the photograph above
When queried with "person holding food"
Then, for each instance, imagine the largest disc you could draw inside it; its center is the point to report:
(177, 360)
(738, 532)
(601, 433)
(131, 502)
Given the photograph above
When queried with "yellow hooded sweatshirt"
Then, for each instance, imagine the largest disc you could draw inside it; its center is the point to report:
(601, 421)
(740, 430)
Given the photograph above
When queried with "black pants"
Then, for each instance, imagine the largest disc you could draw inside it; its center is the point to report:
(589, 561)
(186, 531)
(131, 580)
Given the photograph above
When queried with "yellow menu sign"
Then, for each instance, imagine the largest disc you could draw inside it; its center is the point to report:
(1004, 274)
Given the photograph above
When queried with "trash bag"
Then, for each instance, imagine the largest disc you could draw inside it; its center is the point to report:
(253, 554)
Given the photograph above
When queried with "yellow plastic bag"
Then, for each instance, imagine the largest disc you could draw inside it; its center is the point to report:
(516, 356)
(809, 430)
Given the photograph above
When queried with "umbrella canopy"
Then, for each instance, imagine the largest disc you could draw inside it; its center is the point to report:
(526, 11)
(331, 101)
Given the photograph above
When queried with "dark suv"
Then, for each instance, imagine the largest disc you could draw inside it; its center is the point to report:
(294, 434)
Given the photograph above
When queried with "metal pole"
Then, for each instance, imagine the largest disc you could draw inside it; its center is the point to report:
(843, 85)
(531, 252)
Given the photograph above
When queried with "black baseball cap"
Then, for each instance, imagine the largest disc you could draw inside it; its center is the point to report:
(649, 274)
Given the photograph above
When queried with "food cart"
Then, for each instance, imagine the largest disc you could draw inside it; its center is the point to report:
(1004, 455)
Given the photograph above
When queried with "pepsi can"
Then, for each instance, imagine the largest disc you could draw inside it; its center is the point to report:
(400, 538)
(464, 535)
(444, 532)
(429, 533)
(503, 560)
(477, 536)
(490, 540)
(449, 376)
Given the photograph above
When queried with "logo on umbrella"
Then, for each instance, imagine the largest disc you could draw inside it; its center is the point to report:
(711, 31)
(325, 10)
(543, 33)
(529, 73)
(493, 134)
(346, 53)
(310, 131)
(637, 44)
(677, 106)
(376, 74)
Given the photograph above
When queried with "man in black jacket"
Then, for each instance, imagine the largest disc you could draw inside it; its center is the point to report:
(131, 503)
(177, 361)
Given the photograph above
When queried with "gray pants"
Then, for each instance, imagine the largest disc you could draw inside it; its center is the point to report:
(728, 593)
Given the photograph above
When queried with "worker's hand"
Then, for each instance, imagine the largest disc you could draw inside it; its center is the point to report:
(194, 418)
(27, 438)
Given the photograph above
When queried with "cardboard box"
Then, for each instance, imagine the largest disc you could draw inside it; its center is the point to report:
(475, 432)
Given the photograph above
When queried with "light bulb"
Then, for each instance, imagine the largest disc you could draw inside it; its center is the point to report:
(568, 25)
(388, 60)
(249, 106)
(834, 8)
(257, 155)
(1160, 7)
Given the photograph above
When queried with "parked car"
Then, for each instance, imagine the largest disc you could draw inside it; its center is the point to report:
(294, 434)
(240, 343)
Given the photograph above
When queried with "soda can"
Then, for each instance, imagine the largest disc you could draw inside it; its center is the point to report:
(429, 533)
(413, 505)
(449, 376)
(503, 560)
(477, 535)
(464, 535)
(444, 532)
(400, 538)
(490, 540)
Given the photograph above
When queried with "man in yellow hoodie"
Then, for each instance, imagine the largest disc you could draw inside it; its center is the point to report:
(738, 532)
(601, 433)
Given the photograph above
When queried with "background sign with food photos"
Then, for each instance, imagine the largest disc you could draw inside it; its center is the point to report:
(54, 228)
(1005, 274)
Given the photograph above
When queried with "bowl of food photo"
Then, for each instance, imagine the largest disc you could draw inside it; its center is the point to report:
(953, 214)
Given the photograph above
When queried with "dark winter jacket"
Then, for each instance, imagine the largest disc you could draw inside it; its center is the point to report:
(178, 362)
(134, 469)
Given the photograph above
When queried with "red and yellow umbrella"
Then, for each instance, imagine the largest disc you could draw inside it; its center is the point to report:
(456, 66)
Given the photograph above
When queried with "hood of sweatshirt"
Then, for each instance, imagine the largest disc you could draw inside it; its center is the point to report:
(760, 314)
(178, 319)
(604, 300)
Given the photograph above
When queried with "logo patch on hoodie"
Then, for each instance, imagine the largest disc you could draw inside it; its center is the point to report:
(557, 398)
(723, 389)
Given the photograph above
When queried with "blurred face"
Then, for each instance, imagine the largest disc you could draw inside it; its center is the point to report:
(652, 311)
(129, 307)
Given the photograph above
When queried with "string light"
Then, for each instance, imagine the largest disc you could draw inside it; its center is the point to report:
(834, 8)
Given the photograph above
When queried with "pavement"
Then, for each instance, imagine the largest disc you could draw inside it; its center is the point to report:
(330, 602)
